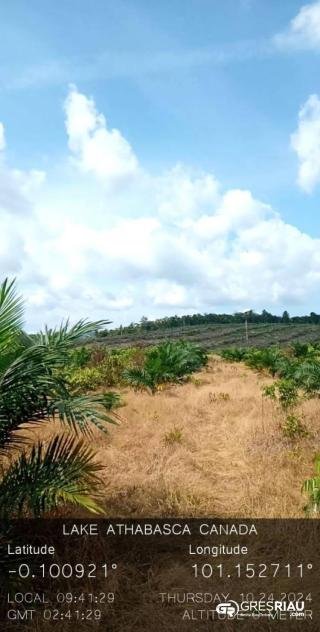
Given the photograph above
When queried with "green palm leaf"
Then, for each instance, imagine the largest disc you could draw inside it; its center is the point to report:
(33, 388)
(45, 479)
(64, 337)
(83, 411)
(11, 313)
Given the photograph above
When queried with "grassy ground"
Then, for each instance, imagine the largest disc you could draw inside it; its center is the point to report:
(221, 336)
(210, 447)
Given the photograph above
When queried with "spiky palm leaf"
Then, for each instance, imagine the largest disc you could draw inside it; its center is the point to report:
(40, 481)
(139, 379)
(11, 310)
(168, 362)
(11, 314)
(64, 337)
(81, 412)
(32, 389)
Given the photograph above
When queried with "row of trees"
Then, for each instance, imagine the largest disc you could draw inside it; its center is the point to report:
(251, 316)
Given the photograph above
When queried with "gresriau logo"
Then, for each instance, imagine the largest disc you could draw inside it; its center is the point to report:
(271, 609)
(229, 608)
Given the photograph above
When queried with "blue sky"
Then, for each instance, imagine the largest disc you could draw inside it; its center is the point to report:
(214, 169)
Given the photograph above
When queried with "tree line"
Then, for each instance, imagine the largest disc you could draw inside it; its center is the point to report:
(170, 322)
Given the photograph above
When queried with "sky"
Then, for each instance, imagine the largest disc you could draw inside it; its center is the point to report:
(160, 158)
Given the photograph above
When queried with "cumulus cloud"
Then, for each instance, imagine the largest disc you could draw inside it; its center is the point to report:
(306, 143)
(17, 189)
(171, 242)
(303, 31)
(96, 149)
(182, 194)
(167, 293)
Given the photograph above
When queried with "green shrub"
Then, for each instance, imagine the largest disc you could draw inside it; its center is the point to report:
(86, 379)
(79, 357)
(112, 400)
(294, 428)
(264, 359)
(234, 354)
(307, 376)
(107, 372)
(312, 487)
(300, 349)
(167, 362)
(285, 392)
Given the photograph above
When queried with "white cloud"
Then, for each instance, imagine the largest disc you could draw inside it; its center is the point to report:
(95, 148)
(167, 293)
(303, 31)
(17, 190)
(182, 194)
(172, 242)
(306, 143)
(236, 209)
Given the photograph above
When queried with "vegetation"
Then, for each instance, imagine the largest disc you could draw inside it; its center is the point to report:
(173, 436)
(297, 366)
(298, 371)
(294, 428)
(67, 375)
(168, 362)
(214, 336)
(312, 487)
(285, 392)
(33, 389)
(89, 369)
(172, 322)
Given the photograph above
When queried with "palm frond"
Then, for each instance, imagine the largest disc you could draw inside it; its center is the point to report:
(64, 337)
(26, 387)
(11, 315)
(48, 477)
(82, 411)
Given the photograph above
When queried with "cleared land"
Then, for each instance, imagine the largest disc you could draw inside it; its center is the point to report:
(212, 446)
(220, 336)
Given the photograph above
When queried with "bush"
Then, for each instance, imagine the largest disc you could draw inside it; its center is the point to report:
(307, 376)
(79, 357)
(234, 354)
(299, 365)
(168, 362)
(105, 368)
(300, 349)
(285, 392)
(294, 428)
(264, 359)
(86, 379)
(312, 487)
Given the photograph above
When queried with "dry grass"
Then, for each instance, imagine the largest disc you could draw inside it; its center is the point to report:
(231, 458)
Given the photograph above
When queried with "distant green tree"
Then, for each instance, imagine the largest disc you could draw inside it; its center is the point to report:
(285, 317)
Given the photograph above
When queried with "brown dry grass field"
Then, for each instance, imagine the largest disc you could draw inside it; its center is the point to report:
(212, 446)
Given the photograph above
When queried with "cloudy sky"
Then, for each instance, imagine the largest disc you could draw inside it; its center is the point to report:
(160, 157)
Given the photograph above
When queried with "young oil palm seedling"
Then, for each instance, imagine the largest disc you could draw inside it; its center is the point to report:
(168, 362)
(39, 478)
(312, 487)
(284, 392)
